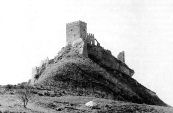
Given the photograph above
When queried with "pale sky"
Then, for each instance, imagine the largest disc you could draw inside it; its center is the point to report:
(31, 30)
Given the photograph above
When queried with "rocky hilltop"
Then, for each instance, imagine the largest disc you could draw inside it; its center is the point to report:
(84, 68)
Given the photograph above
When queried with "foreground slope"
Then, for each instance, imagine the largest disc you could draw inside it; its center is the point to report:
(92, 76)
(74, 104)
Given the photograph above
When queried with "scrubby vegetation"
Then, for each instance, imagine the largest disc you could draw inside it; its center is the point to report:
(73, 104)
(85, 77)
(24, 95)
(48, 98)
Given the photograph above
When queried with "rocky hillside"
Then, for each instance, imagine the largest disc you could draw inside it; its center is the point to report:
(95, 75)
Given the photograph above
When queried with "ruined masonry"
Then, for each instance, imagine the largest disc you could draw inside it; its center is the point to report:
(77, 32)
(87, 45)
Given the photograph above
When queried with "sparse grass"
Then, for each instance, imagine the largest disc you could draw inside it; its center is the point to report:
(74, 104)
(80, 74)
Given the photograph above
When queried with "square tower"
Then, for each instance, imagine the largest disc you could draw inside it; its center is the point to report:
(76, 30)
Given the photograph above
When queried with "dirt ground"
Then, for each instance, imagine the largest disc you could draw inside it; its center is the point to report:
(10, 103)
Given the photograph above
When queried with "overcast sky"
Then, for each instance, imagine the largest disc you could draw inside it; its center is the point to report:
(31, 30)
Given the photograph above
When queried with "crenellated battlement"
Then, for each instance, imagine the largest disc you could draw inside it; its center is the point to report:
(90, 39)
(90, 35)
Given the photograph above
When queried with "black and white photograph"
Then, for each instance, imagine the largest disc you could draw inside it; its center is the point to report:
(86, 56)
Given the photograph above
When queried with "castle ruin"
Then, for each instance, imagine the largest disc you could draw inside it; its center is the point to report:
(82, 43)
(78, 31)
(87, 45)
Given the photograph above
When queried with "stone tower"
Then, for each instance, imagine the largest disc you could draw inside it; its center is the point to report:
(76, 35)
(76, 30)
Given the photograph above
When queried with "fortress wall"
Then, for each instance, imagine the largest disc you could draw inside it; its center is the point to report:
(106, 59)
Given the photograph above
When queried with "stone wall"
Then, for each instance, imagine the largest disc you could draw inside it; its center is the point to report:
(121, 56)
(107, 60)
(76, 34)
(91, 39)
(75, 31)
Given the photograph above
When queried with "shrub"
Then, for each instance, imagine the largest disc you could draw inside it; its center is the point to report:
(8, 87)
(24, 95)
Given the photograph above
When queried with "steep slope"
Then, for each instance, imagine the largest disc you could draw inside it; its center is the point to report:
(93, 76)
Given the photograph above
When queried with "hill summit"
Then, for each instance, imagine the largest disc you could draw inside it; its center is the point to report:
(83, 67)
